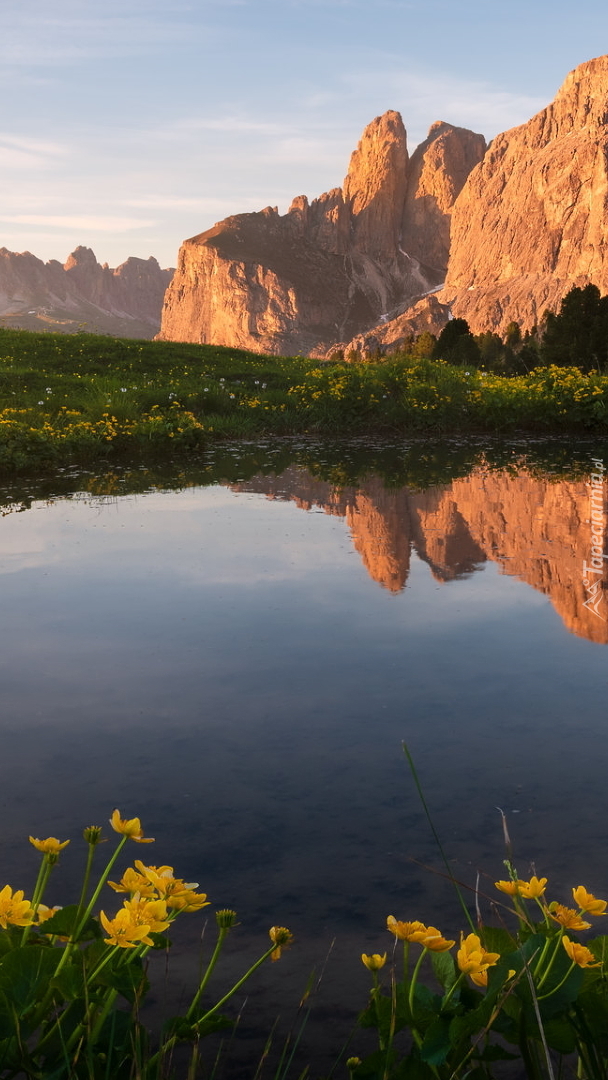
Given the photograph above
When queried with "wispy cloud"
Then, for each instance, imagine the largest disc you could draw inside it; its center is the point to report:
(88, 223)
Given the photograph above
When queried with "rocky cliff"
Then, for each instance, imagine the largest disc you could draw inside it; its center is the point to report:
(81, 294)
(534, 529)
(531, 221)
(333, 268)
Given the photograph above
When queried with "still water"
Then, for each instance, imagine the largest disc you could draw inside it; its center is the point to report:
(237, 653)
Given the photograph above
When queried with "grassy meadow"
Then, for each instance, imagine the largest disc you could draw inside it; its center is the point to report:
(80, 398)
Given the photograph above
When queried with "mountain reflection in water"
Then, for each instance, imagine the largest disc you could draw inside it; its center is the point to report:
(536, 529)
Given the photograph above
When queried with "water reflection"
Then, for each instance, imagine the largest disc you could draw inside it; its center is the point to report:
(194, 648)
(534, 528)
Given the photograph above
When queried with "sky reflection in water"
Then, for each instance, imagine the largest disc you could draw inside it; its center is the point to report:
(240, 671)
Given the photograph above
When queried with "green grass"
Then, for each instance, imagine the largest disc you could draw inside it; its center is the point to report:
(78, 398)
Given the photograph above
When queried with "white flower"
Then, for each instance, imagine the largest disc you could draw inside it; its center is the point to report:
(256, 382)
(206, 390)
(49, 389)
(232, 395)
(41, 402)
(123, 389)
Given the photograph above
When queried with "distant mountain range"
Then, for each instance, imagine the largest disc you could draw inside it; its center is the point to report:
(81, 294)
(492, 235)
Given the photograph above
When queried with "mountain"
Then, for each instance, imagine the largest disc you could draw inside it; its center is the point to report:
(532, 528)
(330, 269)
(81, 294)
(531, 221)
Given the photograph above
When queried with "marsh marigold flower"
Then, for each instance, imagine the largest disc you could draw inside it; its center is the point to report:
(406, 931)
(473, 959)
(580, 954)
(150, 913)
(282, 938)
(123, 931)
(130, 827)
(434, 940)
(530, 890)
(43, 913)
(374, 962)
(587, 901)
(50, 846)
(14, 910)
(132, 882)
(567, 917)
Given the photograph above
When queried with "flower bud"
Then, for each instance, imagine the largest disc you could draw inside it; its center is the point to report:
(92, 835)
(353, 1063)
(225, 919)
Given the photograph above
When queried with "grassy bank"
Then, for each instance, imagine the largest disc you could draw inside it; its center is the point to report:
(75, 398)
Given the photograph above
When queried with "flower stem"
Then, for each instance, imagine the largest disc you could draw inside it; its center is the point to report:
(221, 937)
(414, 978)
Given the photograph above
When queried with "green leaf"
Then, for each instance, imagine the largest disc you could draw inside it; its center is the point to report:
(497, 1053)
(376, 1066)
(63, 923)
(436, 1043)
(560, 1035)
(496, 939)
(129, 980)
(599, 947)
(444, 968)
(25, 975)
(69, 982)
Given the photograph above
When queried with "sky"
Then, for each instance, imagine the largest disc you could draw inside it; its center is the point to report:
(130, 125)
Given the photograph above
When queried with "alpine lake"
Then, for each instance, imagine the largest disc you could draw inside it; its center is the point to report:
(236, 651)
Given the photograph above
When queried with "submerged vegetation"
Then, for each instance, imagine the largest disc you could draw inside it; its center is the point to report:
(80, 398)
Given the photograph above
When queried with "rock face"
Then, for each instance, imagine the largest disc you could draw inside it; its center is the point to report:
(534, 529)
(81, 294)
(329, 269)
(531, 221)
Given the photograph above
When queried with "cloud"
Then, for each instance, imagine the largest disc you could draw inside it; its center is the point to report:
(89, 223)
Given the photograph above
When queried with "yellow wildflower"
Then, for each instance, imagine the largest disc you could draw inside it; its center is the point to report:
(374, 962)
(533, 888)
(187, 901)
(124, 931)
(406, 931)
(14, 910)
(473, 959)
(150, 913)
(166, 885)
(43, 913)
(511, 888)
(132, 882)
(282, 938)
(434, 940)
(587, 901)
(130, 827)
(567, 917)
(49, 846)
(580, 954)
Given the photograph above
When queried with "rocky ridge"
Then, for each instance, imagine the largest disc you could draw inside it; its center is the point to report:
(81, 294)
(332, 268)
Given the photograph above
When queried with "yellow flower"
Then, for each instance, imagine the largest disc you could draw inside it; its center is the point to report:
(473, 959)
(14, 910)
(434, 940)
(51, 845)
(533, 888)
(587, 901)
(130, 827)
(124, 931)
(374, 962)
(511, 888)
(282, 938)
(406, 931)
(580, 954)
(132, 882)
(166, 885)
(43, 913)
(150, 913)
(567, 917)
(188, 900)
